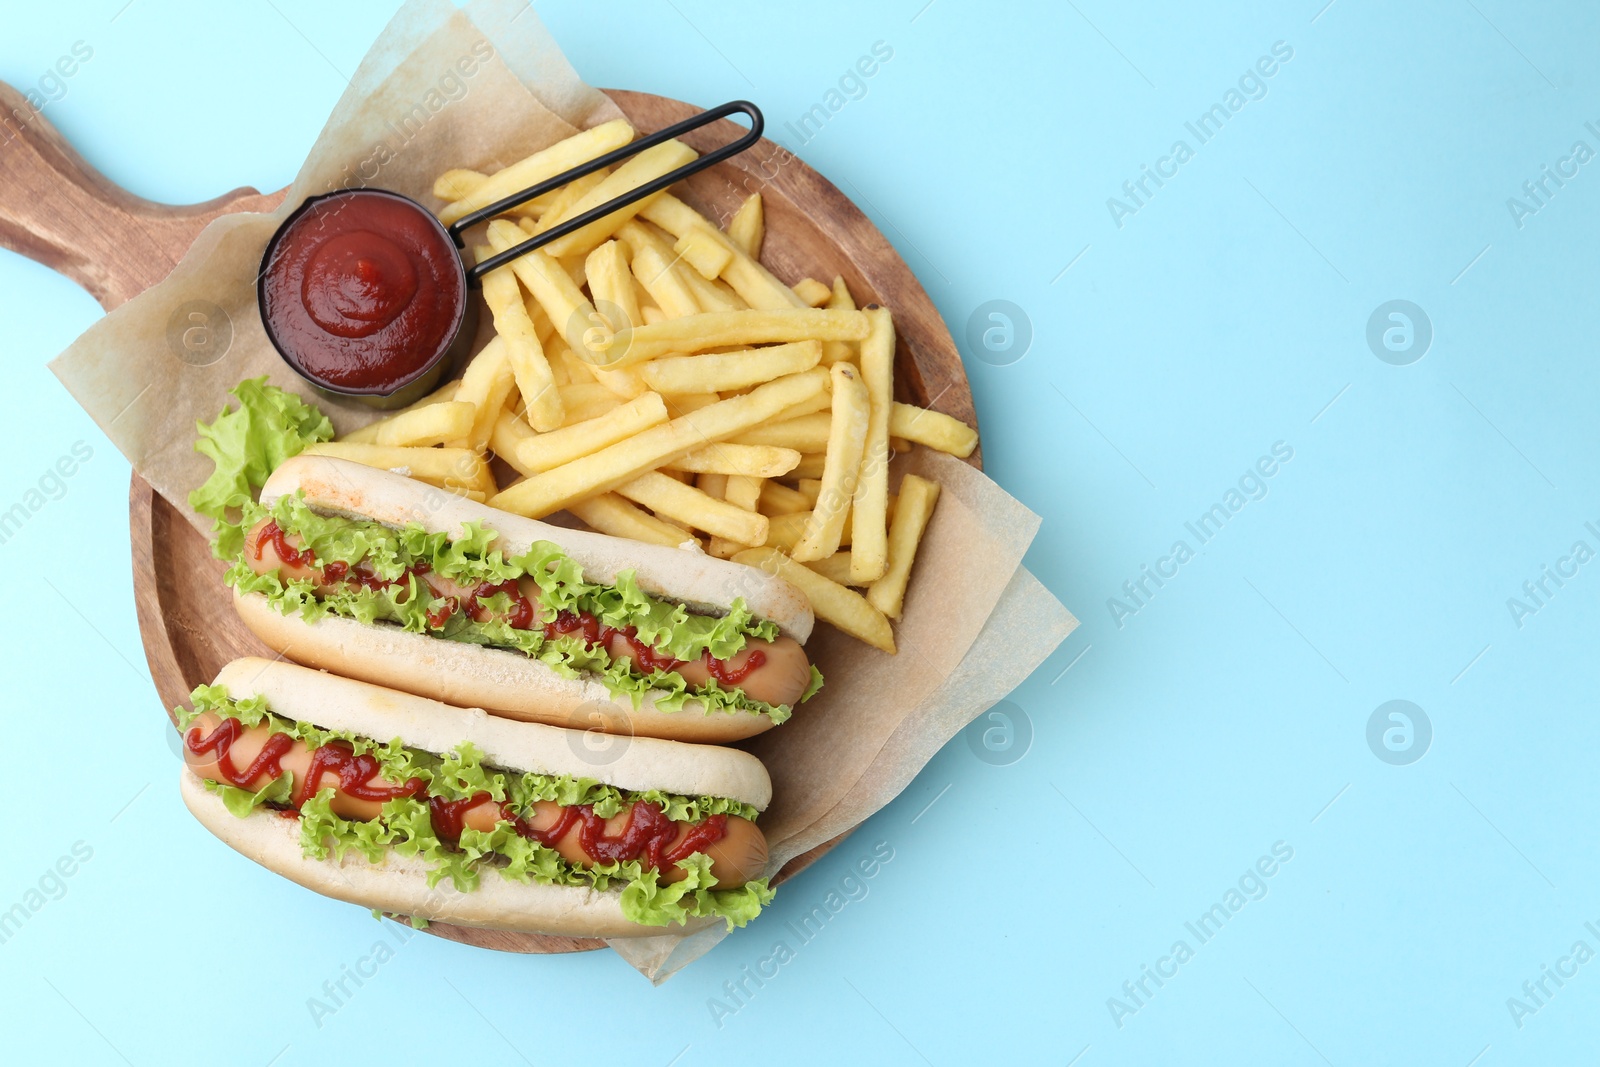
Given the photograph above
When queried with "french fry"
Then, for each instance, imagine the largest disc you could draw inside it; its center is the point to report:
(685, 531)
(608, 468)
(574, 266)
(835, 568)
(742, 491)
(702, 251)
(710, 295)
(810, 487)
(840, 300)
(665, 285)
(570, 311)
(696, 333)
(781, 500)
(753, 282)
(486, 384)
(751, 461)
(678, 406)
(713, 296)
(368, 434)
(869, 550)
(668, 497)
(541, 321)
(841, 469)
(811, 464)
(642, 169)
(748, 226)
(805, 433)
(912, 511)
(729, 372)
(559, 370)
(709, 483)
(640, 233)
(576, 368)
(509, 433)
(432, 425)
(785, 531)
(932, 428)
(611, 284)
(443, 467)
(563, 199)
(542, 452)
(900, 444)
(587, 401)
(611, 514)
(455, 184)
(813, 292)
(535, 380)
(459, 183)
(831, 602)
(541, 166)
(815, 404)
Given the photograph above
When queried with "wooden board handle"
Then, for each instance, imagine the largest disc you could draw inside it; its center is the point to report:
(58, 210)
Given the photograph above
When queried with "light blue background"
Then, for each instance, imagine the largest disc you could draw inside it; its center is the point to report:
(1228, 714)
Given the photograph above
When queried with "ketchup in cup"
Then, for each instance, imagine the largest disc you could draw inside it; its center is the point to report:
(364, 294)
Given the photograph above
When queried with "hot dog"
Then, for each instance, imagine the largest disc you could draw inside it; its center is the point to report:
(376, 576)
(511, 825)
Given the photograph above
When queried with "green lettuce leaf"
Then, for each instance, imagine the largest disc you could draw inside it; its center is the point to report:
(246, 445)
(406, 826)
(647, 902)
(241, 802)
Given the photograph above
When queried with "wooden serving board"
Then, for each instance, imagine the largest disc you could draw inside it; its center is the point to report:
(56, 209)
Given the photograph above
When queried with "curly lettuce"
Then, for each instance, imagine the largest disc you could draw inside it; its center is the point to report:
(406, 826)
(246, 445)
(470, 559)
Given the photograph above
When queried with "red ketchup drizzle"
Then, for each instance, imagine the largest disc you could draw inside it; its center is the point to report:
(520, 617)
(289, 554)
(358, 775)
(646, 658)
(447, 815)
(333, 573)
(440, 615)
(726, 673)
(221, 741)
(648, 833)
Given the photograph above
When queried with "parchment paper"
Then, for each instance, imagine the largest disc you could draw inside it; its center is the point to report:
(481, 88)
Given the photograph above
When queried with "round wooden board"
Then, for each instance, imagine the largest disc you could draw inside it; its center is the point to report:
(812, 229)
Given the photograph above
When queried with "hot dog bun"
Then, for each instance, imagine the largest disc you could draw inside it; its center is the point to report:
(399, 884)
(506, 682)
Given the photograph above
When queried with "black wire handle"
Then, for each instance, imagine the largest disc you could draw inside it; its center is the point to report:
(727, 151)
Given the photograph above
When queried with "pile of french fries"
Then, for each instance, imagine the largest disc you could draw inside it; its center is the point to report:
(650, 377)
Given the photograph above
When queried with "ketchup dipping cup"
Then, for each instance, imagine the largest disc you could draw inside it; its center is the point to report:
(363, 293)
